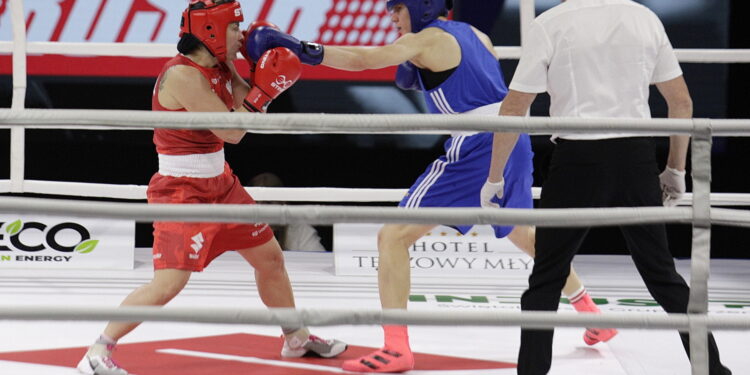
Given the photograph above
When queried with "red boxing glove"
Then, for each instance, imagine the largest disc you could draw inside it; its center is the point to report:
(243, 50)
(277, 70)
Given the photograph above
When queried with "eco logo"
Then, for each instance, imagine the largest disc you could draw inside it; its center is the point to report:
(32, 236)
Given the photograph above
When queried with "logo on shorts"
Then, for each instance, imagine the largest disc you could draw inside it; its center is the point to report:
(255, 233)
(197, 245)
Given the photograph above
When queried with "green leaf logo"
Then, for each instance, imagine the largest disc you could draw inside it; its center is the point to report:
(86, 247)
(14, 227)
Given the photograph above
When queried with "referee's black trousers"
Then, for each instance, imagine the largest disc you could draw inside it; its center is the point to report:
(620, 172)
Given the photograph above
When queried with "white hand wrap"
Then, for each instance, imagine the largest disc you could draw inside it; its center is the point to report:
(490, 190)
(672, 186)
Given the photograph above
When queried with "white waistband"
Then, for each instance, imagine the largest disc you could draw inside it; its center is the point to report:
(192, 165)
(593, 136)
(489, 109)
(486, 110)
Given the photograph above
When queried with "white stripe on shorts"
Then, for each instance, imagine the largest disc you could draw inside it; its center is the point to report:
(438, 167)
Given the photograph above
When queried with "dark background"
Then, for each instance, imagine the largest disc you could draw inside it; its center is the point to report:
(382, 161)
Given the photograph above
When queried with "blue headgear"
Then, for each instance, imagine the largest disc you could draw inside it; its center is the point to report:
(421, 12)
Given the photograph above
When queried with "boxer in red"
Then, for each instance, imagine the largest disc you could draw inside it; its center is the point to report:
(203, 78)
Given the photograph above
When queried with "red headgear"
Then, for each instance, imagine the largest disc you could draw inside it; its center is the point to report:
(207, 20)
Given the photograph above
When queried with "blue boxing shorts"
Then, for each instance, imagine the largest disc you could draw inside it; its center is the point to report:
(456, 178)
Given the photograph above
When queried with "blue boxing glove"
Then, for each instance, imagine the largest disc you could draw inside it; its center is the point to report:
(264, 38)
(406, 77)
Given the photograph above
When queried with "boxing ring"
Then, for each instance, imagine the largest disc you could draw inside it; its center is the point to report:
(695, 209)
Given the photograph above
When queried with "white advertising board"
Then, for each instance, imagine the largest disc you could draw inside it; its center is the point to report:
(62, 242)
(443, 251)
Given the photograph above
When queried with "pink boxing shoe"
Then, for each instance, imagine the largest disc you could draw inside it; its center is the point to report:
(383, 360)
(583, 303)
(592, 336)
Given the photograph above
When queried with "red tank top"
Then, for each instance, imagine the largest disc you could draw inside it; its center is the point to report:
(185, 141)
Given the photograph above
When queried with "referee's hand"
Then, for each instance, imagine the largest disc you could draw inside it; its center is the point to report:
(672, 183)
(491, 190)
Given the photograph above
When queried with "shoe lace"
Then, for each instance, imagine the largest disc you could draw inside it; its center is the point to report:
(107, 359)
(314, 338)
(109, 362)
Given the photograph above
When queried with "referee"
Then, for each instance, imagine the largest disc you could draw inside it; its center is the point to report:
(596, 59)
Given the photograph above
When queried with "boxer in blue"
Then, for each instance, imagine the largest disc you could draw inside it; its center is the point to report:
(456, 68)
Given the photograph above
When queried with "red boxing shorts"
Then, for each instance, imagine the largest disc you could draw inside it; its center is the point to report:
(192, 246)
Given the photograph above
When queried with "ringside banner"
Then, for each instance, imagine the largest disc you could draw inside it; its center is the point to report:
(442, 251)
(56, 242)
(331, 22)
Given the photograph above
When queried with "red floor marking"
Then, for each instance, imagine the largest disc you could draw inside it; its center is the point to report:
(142, 358)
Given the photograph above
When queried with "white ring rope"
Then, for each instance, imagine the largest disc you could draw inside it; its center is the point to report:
(307, 123)
(286, 214)
(150, 50)
(287, 194)
(329, 317)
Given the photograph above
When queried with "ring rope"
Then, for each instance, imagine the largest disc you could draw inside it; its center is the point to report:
(151, 50)
(286, 214)
(330, 317)
(307, 123)
(288, 194)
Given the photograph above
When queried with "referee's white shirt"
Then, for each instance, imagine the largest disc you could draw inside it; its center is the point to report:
(596, 58)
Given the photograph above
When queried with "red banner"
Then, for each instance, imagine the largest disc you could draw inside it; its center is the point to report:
(59, 65)
(330, 22)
